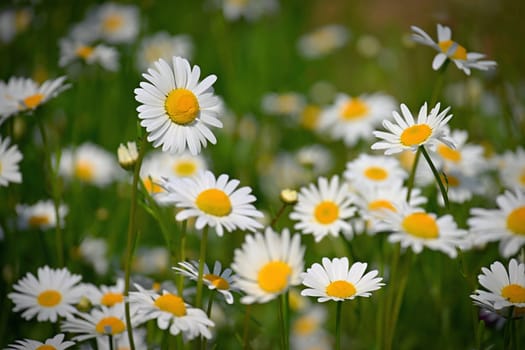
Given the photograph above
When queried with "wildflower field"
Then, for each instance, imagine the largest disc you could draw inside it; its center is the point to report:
(262, 174)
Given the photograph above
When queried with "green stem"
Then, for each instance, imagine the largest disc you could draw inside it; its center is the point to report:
(410, 183)
(110, 341)
(208, 313)
(182, 257)
(338, 325)
(246, 324)
(282, 321)
(439, 83)
(202, 259)
(278, 215)
(436, 175)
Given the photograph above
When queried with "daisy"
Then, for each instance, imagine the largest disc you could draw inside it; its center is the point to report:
(249, 9)
(281, 171)
(315, 158)
(122, 342)
(127, 155)
(415, 228)
(55, 343)
(512, 169)
(107, 296)
(267, 265)
(149, 261)
(10, 156)
(322, 41)
(449, 49)
(171, 312)
(94, 251)
(505, 224)
(423, 173)
(460, 187)
(165, 46)
(324, 209)
(52, 294)
(218, 279)
(14, 21)
(310, 116)
(409, 134)
(71, 51)
(374, 170)
(353, 118)
(309, 322)
(504, 288)
(215, 202)
(333, 280)
(40, 215)
(176, 108)
(287, 103)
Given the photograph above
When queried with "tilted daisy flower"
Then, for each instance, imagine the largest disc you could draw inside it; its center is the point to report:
(505, 224)
(216, 279)
(55, 343)
(512, 169)
(374, 170)
(171, 312)
(449, 49)
(334, 280)
(165, 46)
(504, 288)
(409, 134)
(353, 118)
(70, 51)
(40, 215)
(107, 296)
(53, 293)
(267, 265)
(10, 156)
(322, 41)
(176, 109)
(214, 202)
(324, 209)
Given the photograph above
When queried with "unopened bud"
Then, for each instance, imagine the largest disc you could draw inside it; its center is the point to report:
(127, 155)
(289, 196)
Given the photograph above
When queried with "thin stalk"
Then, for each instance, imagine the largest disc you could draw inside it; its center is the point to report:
(338, 325)
(202, 259)
(246, 323)
(439, 83)
(410, 182)
(110, 342)
(282, 325)
(182, 254)
(436, 175)
(208, 313)
(278, 215)
(400, 290)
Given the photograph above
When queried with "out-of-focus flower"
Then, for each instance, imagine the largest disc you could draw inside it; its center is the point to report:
(249, 9)
(287, 103)
(94, 251)
(323, 41)
(13, 22)
(70, 51)
(368, 46)
(10, 156)
(152, 260)
(165, 46)
(40, 215)
(374, 170)
(511, 169)
(315, 158)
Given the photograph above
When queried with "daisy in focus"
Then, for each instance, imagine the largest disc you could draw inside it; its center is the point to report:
(503, 288)
(374, 170)
(51, 294)
(322, 41)
(40, 215)
(267, 265)
(165, 46)
(324, 209)
(408, 134)
(10, 156)
(216, 279)
(70, 51)
(55, 343)
(449, 49)
(176, 109)
(214, 202)
(334, 280)
(505, 224)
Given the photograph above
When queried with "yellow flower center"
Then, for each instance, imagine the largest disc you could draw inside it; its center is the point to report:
(217, 281)
(521, 178)
(110, 299)
(516, 221)
(185, 168)
(514, 293)
(182, 106)
(84, 170)
(38, 220)
(110, 325)
(354, 109)
(381, 204)
(49, 298)
(305, 325)
(460, 53)
(421, 225)
(376, 173)
(46, 347)
(273, 277)
(326, 212)
(112, 22)
(310, 117)
(151, 186)
(172, 304)
(450, 180)
(340, 289)
(31, 102)
(415, 135)
(214, 202)
(84, 52)
(449, 153)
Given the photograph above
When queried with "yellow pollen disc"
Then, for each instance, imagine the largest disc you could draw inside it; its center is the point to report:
(273, 277)
(514, 293)
(172, 304)
(310, 117)
(151, 186)
(38, 220)
(305, 325)
(49, 298)
(185, 168)
(421, 225)
(340, 289)
(449, 153)
(376, 173)
(326, 212)
(381, 204)
(460, 53)
(516, 221)
(33, 101)
(415, 135)
(45, 347)
(214, 202)
(217, 281)
(112, 22)
(116, 325)
(110, 299)
(354, 109)
(84, 170)
(182, 106)
(84, 52)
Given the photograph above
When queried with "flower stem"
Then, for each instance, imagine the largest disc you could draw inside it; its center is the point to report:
(436, 175)
(439, 83)
(246, 323)
(202, 258)
(338, 325)
(410, 183)
(278, 215)
(283, 317)
(208, 313)
(182, 254)
(110, 341)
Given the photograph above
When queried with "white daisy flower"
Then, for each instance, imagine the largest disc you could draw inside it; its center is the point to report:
(122, 341)
(70, 51)
(165, 46)
(460, 187)
(215, 202)
(171, 312)
(10, 156)
(374, 170)
(415, 228)
(107, 296)
(267, 265)
(505, 224)
(55, 343)
(176, 108)
(322, 41)
(52, 294)
(334, 280)
(409, 134)
(324, 209)
(218, 279)
(94, 251)
(315, 158)
(281, 171)
(353, 118)
(424, 176)
(286, 103)
(249, 9)
(149, 261)
(40, 215)
(449, 49)
(309, 322)
(504, 289)
(512, 169)
(14, 21)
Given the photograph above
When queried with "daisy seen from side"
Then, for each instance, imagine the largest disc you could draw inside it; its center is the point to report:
(40, 215)
(10, 157)
(55, 343)
(105, 56)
